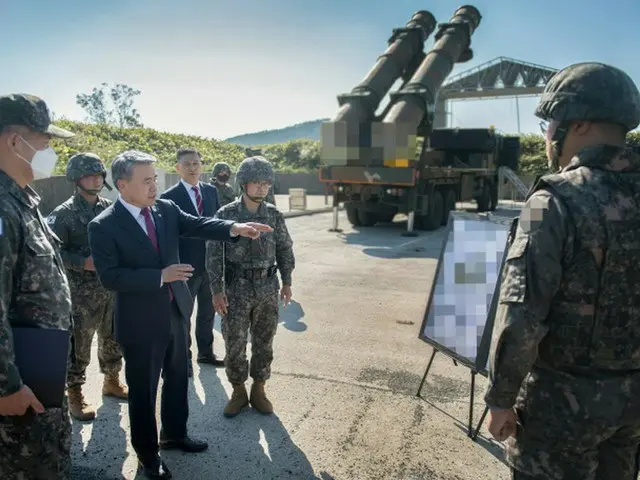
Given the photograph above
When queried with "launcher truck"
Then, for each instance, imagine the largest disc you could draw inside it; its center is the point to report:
(396, 162)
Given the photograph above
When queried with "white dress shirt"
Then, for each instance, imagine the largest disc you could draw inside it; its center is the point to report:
(136, 213)
(192, 194)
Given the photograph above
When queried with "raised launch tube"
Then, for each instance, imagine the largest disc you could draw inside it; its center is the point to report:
(347, 139)
(404, 45)
(413, 105)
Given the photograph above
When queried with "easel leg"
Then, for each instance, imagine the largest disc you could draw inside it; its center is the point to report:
(471, 400)
(426, 372)
(484, 415)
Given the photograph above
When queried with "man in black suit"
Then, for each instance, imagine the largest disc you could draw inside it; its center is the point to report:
(135, 250)
(198, 199)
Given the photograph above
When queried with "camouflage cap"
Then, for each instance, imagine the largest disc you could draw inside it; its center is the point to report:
(591, 91)
(83, 164)
(31, 112)
(254, 169)
(219, 167)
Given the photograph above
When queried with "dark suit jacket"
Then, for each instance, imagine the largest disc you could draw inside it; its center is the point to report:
(193, 251)
(128, 264)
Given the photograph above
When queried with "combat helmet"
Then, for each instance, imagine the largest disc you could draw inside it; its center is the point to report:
(254, 169)
(591, 91)
(219, 167)
(82, 164)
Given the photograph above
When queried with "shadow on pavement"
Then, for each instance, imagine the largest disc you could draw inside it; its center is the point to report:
(248, 446)
(106, 450)
(489, 445)
(291, 317)
(386, 240)
(493, 448)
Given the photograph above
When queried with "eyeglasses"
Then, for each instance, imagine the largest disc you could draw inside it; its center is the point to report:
(192, 164)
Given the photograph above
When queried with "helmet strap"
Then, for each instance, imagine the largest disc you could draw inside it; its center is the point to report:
(557, 144)
(88, 192)
(253, 199)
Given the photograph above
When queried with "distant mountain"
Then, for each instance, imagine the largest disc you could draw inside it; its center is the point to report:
(305, 130)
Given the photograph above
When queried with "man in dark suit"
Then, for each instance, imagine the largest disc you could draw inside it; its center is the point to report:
(198, 199)
(135, 251)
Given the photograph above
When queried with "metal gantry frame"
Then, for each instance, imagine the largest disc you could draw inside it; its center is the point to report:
(502, 77)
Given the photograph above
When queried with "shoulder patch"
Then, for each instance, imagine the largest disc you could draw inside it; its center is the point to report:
(51, 219)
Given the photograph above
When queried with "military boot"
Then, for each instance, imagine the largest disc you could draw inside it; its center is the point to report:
(112, 387)
(78, 408)
(239, 400)
(259, 399)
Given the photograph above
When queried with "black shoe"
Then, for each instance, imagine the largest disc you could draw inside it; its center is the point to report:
(210, 359)
(155, 469)
(185, 444)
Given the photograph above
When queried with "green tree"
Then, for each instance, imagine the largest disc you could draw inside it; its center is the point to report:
(114, 105)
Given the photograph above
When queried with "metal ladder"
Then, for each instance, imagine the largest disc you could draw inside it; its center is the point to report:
(513, 179)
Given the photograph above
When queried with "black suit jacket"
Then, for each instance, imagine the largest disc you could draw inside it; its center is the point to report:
(193, 250)
(128, 264)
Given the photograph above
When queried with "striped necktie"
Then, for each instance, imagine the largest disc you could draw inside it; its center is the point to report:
(198, 199)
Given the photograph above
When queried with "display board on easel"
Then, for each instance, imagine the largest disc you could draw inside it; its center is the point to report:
(459, 317)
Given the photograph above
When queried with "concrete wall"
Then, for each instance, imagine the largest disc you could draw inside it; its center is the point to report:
(284, 181)
(56, 190)
(53, 191)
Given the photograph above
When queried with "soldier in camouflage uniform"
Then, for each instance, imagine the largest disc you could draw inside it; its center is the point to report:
(221, 174)
(92, 303)
(564, 372)
(33, 291)
(255, 152)
(245, 286)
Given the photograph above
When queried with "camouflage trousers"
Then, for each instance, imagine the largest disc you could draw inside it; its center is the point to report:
(253, 308)
(36, 446)
(576, 428)
(92, 312)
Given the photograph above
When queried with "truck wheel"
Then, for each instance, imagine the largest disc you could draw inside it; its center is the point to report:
(433, 218)
(386, 217)
(494, 195)
(352, 215)
(367, 219)
(449, 205)
(484, 200)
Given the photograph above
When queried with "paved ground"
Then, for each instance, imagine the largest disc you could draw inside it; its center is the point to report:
(347, 368)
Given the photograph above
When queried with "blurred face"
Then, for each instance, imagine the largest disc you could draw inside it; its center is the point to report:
(223, 176)
(190, 168)
(92, 184)
(142, 189)
(257, 191)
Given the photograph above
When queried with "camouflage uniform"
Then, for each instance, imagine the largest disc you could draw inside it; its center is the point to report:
(566, 346)
(254, 152)
(225, 191)
(92, 303)
(34, 291)
(270, 198)
(252, 287)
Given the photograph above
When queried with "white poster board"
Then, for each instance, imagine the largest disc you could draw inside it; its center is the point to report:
(460, 302)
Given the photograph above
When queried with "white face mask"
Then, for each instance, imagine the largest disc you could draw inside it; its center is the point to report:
(43, 162)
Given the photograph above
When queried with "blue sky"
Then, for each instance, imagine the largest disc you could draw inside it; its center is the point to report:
(222, 68)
